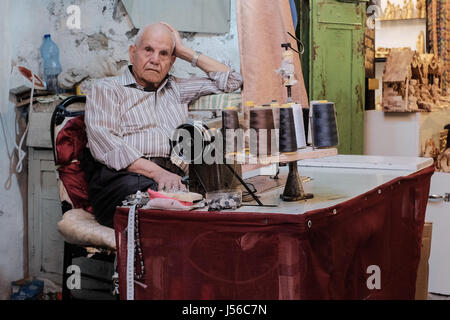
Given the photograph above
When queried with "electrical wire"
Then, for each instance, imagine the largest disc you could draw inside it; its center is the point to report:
(21, 154)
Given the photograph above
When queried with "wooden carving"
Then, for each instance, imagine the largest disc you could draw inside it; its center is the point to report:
(420, 44)
(397, 12)
(410, 10)
(431, 151)
(440, 154)
(421, 9)
(389, 12)
(413, 82)
(382, 52)
(444, 161)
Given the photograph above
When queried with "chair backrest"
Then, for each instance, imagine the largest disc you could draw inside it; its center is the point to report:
(69, 140)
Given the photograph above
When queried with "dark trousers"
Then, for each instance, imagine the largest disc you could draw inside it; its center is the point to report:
(108, 187)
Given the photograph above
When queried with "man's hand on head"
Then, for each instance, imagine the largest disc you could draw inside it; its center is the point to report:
(179, 46)
(207, 64)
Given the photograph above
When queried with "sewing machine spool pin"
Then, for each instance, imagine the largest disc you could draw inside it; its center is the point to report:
(293, 190)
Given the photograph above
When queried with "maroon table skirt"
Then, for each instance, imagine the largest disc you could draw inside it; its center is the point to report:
(364, 248)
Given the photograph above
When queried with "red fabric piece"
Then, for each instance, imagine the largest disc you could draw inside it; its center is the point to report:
(74, 180)
(322, 254)
(71, 140)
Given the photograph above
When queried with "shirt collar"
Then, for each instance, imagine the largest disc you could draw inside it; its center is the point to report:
(127, 79)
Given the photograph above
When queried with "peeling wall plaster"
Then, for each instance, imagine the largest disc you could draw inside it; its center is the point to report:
(107, 30)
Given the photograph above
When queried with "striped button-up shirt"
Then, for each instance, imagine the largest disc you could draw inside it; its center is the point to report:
(125, 122)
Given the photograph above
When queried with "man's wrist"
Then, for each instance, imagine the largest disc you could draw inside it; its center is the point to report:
(195, 58)
(189, 55)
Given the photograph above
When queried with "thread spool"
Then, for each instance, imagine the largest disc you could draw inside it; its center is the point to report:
(306, 122)
(323, 125)
(293, 190)
(261, 125)
(276, 114)
(297, 111)
(247, 106)
(309, 117)
(230, 118)
(287, 139)
(230, 123)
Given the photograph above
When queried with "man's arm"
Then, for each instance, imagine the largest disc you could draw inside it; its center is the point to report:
(220, 78)
(207, 64)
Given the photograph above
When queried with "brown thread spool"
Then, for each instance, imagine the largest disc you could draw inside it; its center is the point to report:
(248, 105)
(276, 115)
(261, 125)
(230, 122)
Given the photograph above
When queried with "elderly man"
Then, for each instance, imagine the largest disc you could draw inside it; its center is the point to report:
(130, 118)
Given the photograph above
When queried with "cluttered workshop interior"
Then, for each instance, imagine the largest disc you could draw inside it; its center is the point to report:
(225, 150)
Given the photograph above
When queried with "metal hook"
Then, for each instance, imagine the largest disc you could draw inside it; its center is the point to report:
(299, 42)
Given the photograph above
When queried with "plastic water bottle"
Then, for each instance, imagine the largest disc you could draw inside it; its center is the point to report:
(52, 67)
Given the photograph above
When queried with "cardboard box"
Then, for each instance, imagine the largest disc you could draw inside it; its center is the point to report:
(422, 272)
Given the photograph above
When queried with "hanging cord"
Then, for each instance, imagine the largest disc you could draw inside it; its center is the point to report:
(21, 154)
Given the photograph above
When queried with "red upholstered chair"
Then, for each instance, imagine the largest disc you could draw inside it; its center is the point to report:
(83, 235)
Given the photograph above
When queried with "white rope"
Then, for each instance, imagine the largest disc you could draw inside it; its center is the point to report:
(21, 154)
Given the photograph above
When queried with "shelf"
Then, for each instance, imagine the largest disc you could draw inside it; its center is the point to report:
(403, 111)
(412, 19)
(256, 162)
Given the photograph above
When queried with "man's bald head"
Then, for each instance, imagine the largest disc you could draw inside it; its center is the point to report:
(153, 55)
(154, 28)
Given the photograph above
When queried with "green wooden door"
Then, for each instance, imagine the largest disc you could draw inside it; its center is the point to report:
(337, 71)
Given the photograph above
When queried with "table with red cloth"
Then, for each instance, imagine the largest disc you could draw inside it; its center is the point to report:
(359, 238)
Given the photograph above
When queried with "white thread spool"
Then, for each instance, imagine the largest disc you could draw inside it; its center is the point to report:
(299, 126)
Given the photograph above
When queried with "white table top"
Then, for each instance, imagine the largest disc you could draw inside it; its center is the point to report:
(369, 162)
(333, 185)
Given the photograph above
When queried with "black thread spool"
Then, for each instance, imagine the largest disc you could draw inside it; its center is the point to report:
(261, 126)
(324, 126)
(230, 123)
(306, 123)
(293, 190)
(287, 139)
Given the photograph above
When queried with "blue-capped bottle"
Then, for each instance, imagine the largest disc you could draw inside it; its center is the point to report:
(52, 67)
